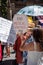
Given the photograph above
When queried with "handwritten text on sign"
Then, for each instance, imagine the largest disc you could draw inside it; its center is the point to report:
(20, 23)
(5, 26)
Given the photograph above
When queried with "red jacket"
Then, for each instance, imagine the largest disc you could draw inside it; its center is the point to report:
(17, 44)
(0, 52)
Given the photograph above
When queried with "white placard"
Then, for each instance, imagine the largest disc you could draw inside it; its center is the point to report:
(12, 35)
(5, 26)
(20, 23)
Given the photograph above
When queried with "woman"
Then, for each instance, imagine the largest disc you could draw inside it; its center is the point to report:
(34, 49)
(19, 57)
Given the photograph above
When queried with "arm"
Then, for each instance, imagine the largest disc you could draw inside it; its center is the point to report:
(22, 45)
(27, 47)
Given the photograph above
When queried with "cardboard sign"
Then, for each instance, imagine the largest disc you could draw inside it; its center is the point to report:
(5, 26)
(12, 35)
(20, 23)
(7, 34)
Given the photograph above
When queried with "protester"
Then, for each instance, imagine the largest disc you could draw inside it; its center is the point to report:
(34, 49)
(28, 38)
(19, 57)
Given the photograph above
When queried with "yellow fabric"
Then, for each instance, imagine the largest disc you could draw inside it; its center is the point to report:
(30, 20)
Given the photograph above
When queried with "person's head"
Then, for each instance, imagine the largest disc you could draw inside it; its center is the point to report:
(29, 32)
(37, 34)
(19, 34)
(24, 36)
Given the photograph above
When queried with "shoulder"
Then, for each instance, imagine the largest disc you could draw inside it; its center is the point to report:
(30, 39)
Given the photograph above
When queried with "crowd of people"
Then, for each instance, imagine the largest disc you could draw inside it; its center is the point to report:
(29, 41)
(28, 47)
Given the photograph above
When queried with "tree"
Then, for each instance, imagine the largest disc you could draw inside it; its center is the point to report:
(4, 8)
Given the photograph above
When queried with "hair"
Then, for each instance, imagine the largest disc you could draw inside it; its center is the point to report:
(37, 34)
(24, 33)
(31, 29)
(0, 41)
